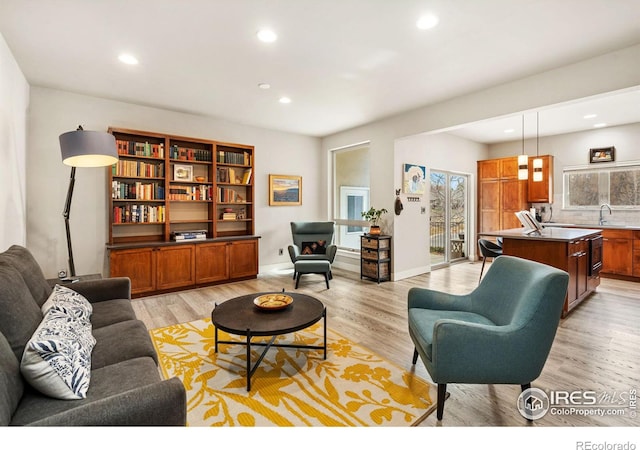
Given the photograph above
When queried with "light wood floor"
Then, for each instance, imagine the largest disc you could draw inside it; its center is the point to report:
(597, 346)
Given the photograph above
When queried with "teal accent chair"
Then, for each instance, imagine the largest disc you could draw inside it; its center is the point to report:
(305, 234)
(500, 333)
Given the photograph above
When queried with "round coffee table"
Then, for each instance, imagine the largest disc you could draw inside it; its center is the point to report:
(242, 317)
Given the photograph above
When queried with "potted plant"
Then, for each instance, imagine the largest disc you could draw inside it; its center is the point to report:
(373, 217)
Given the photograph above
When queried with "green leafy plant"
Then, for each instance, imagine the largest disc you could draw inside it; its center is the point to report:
(373, 215)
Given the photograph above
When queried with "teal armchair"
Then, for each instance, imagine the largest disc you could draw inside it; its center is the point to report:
(312, 241)
(500, 333)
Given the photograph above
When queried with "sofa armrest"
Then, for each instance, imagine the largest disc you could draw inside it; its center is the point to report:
(163, 403)
(104, 289)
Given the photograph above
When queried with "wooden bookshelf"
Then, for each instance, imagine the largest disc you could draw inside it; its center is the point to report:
(165, 184)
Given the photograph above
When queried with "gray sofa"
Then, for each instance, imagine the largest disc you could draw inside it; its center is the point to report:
(125, 386)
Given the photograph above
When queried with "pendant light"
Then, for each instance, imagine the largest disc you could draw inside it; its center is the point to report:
(523, 160)
(537, 162)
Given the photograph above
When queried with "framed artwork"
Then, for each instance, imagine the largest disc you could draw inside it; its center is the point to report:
(605, 154)
(414, 179)
(182, 172)
(285, 190)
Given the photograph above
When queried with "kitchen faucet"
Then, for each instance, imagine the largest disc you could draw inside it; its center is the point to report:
(602, 221)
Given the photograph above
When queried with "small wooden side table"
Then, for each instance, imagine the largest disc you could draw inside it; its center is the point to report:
(375, 257)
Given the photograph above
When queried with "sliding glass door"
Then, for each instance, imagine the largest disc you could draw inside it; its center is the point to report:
(448, 218)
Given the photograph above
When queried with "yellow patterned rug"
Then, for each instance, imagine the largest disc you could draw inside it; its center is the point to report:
(291, 387)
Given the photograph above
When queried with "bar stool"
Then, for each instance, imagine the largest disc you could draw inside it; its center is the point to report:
(488, 249)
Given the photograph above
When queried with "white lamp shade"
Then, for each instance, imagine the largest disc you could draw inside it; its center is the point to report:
(537, 169)
(523, 169)
(83, 148)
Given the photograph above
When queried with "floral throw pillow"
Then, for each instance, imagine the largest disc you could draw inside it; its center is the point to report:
(57, 359)
(70, 301)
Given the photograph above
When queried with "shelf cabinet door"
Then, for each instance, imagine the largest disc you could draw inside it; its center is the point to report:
(541, 191)
(138, 264)
(176, 266)
(212, 262)
(243, 258)
(617, 256)
(490, 205)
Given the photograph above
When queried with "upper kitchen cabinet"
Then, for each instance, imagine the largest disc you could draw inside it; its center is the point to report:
(541, 191)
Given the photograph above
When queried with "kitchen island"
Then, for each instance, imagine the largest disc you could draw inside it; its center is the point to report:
(577, 251)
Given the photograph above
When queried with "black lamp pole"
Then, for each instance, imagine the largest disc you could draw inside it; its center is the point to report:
(66, 214)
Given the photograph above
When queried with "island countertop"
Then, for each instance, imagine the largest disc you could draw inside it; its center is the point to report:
(547, 234)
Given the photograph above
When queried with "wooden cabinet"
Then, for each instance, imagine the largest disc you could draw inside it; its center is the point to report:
(213, 262)
(139, 264)
(577, 267)
(636, 253)
(243, 259)
(164, 186)
(500, 194)
(375, 257)
(175, 266)
(154, 269)
(541, 191)
(570, 254)
(617, 252)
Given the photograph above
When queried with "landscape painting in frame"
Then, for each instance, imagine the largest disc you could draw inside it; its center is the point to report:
(414, 179)
(285, 190)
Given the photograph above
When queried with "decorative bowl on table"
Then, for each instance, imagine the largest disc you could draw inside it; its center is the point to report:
(272, 302)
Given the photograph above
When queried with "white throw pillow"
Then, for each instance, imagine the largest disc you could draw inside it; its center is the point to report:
(57, 359)
(71, 301)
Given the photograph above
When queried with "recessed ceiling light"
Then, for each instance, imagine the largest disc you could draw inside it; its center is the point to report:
(599, 125)
(590, 116)
(267, 35)
(509, 130)
(264, 85)
(427, 21)
(285, 100)
(128, 59)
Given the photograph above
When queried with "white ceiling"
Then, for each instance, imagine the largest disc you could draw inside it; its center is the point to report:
(342, 62)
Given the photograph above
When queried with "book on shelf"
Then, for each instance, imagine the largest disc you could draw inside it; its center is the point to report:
(189, 235)
(246, 177)
(133, 148)
(229, 216)
(199, 237)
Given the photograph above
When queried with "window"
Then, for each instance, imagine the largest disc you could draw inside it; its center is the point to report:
(589, 188)
(350, 193)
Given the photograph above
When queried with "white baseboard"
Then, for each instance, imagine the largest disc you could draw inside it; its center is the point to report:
(396, 276)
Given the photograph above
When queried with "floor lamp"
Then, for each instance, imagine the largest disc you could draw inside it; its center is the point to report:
(82, 148)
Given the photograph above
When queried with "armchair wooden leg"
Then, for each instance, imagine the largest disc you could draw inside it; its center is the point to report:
(326, 279)
(294, 274)
(524, 387)
(442, 393)
(415, 356)
(298, 279)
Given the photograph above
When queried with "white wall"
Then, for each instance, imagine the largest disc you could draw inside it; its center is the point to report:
(606, 73)
(14, 103)
(572, 149)
(54, 112)
(436, 152)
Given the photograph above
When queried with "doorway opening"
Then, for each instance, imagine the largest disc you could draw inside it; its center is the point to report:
(448, 218)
